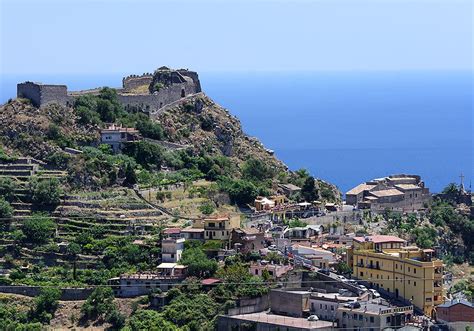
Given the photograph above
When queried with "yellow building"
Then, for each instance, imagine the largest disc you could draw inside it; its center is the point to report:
(220, 227)
(401, 271)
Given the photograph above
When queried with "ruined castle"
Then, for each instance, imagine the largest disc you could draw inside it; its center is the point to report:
(148, 92)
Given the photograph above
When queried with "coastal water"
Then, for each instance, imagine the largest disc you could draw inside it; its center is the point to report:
(345, 127)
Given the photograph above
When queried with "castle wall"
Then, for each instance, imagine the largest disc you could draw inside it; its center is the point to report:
(132, 82)
(153, 102)
(194, 76)
(40, 95)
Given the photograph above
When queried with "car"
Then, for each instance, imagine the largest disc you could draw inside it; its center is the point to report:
(313, 318)
(342, 278)
(363, 288)
(272, 247)
(375, 294)
(352, 305)
(352, 282)
(325, 271)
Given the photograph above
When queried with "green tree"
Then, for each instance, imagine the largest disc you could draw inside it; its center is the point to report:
(6, 210)
(73, 250)
(207, 208)
(145, 153)
(144, 320)
(46, 192)
(240, 191)
(255, 170)
(451, 188)
(46, 304)
(130, 176)
(309, 191)
(7, 188)
(38, 229)
(343, 268)
(99, 304)
(198, 263)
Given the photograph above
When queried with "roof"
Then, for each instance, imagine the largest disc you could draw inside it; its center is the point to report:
(194, 230)
(172, 231)
(247, 230)
(378, 239)
(284, 321)
(407, 187)
(210, 281)
(290, 187)
(386, 193)
(170, 265)
(449, 304)
(360, 188)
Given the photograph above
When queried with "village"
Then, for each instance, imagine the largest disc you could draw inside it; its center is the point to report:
(162, 220)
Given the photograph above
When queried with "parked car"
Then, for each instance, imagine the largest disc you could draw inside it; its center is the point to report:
(363, 288)
(342, 278)
(313, 318)
(375, 294)
(272, 247)
(325, 271)
(352, 305)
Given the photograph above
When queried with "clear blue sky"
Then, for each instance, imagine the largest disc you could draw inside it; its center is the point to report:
(59, 37)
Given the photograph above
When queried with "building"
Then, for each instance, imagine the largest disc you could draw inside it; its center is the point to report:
(264, 203)
(290, 302)
(220, 227)
(116, 137)
(372, 316)
(269, 322)
(247, 240)
(193, 233)
(315, 256)
(396, 192)
(305, 232)
(132, 285)
(169, 269)
(172, 249)
(457, 314)
(289, 189)
(172, 233)
(409, 273)
(274, 270)
(325, 305)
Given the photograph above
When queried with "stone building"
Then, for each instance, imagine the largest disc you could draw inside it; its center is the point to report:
(457, 314)
(148, 92)
(396, 192)
(247, 240)
(172, 249)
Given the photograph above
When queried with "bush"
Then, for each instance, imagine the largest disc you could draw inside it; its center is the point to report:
(149, 320)
(147, 154)
(46, 192)
(7, 188)
(6, 210)
(207, 208)
(99, 304)
(38, 229)
(46, 304)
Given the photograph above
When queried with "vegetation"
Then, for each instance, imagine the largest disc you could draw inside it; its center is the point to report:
(45, 193)
(198, 263)
(38, 229)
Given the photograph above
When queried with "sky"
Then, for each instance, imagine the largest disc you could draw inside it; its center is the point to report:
(72, 37)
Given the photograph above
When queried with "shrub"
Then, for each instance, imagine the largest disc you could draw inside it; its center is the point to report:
(46, 192)
(6, 210)
(207, 208)
(38, 229)
(7, 188)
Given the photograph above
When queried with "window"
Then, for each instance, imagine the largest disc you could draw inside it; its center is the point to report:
(361, 318)
(388, 319)
(361, 274)
(414, 283)
(355, 316)
(256, 271)
(326, 307)
(414, 270)
(377, 276)
(344, 315)
(332, 308)
(320, 306)
(172, 256)
(372, 319)
(396, 266)
(408, 269)
(409, 282)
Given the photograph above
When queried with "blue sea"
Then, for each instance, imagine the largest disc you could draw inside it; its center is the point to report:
(344, 127)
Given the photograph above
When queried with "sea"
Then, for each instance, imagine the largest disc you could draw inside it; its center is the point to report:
(344, 127)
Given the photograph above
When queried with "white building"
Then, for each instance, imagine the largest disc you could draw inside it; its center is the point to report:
(172, 249)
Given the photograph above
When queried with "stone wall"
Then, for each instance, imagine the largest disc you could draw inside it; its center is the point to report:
(67, 294)
(133, 81)
(153, 102)
(41, 94)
